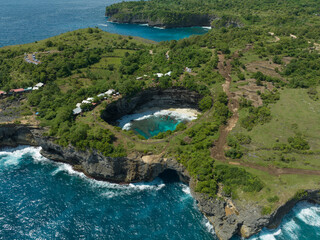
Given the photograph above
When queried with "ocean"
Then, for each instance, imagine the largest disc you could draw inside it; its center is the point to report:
(40, 199)
(25, 21)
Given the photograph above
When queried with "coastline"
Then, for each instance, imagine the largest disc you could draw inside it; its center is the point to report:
(213, 209)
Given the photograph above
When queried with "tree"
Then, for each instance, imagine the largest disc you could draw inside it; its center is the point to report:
(205, 103)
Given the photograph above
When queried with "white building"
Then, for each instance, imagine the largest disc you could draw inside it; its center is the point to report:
(110, 92)
(39, 85)
(77, 111)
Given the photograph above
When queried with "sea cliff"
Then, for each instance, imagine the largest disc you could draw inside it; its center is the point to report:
(228, 217)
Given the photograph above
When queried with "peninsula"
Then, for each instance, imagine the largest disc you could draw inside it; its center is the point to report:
(251, 154)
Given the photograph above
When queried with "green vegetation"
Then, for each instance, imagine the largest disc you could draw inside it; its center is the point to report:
(273, 56)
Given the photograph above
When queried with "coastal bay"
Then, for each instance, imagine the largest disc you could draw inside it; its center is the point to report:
(244, 173)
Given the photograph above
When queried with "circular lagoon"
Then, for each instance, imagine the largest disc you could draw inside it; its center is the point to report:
(152, 122)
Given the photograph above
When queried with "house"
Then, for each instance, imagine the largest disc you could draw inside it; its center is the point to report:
(39, 85)
(78, 105)
(159, 75)
(18, 90)
(2, 92)
(28, 89)
(35, 88)
(168, 73)
(110, 92)
(85, 102)
(77, 111)
(139, 78)
(90, 99)
(101, 95)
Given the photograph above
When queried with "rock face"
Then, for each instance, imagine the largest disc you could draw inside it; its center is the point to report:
(228, 218)
(154, 98)
(134, 168)
(180, 21)
(12, 136)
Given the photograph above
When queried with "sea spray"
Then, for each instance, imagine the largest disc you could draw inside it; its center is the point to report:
(42, 199)
(301, 223)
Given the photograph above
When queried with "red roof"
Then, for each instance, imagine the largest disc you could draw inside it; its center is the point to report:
(17, 90)
(2, 92)
(94, 103)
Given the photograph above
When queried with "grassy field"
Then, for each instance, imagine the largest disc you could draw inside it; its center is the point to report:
(295, 113)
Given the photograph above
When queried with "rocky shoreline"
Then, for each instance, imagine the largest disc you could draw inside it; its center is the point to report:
(194, 20)
(228, 218)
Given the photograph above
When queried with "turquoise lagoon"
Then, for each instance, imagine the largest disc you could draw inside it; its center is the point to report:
(152, 122)
(40, 199)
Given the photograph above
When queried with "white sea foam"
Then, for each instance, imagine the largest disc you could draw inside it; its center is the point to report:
(180, 114)
(104, 25)
(186, 189)
(208, 226)
(145, 24)
(207, 27)
(308, 214)
(63, 167)
(12, 156)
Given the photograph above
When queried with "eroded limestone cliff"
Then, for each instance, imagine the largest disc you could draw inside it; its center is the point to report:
(228, 217)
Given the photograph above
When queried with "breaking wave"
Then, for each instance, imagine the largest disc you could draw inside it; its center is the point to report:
(303, 222)
(181, 115)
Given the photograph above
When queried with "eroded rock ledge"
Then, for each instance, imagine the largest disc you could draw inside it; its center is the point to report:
(181, 21)
(152, 98)
(228, 218)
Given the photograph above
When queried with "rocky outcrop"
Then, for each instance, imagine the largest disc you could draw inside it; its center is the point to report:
(180, 21)
(153, 98)
(244, 219)
(228, 218)
(14, 135)
(276, 217)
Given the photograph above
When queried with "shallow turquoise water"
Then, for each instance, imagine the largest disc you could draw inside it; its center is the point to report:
(43, 200)
(24, 21)
(151, 123)
(154, 125)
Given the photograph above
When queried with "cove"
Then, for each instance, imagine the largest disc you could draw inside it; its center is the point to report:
(151, 123)
(33, 20)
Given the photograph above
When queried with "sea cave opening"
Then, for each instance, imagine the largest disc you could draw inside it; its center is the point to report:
(170, 176)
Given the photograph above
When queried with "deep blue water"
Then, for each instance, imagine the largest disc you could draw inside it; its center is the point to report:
(40, 199)
(24, 21)
(44, 200)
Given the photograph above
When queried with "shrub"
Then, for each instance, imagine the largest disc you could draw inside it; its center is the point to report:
(273, 199)
(234, 153)
(266, 210)
(205, 103)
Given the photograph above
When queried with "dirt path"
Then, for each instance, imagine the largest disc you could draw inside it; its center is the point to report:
(217, 151)
(224, 67)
